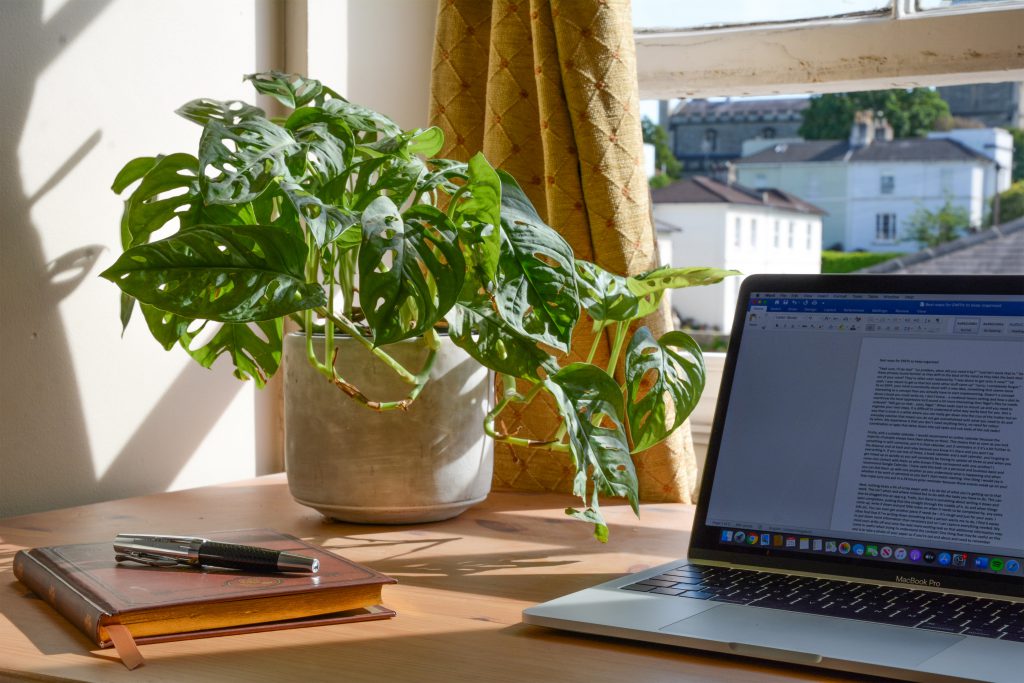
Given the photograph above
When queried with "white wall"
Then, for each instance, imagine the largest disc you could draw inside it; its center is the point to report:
(708, 238)
(700, 243)
(917, 185)
(822, 184)
(994, 143)
(85, 414)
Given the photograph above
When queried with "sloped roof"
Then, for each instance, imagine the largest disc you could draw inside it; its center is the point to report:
(704, 190)
(763, 107)
(905, 149)
(996, 251)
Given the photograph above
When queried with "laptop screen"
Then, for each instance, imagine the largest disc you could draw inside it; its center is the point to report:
(873, 428)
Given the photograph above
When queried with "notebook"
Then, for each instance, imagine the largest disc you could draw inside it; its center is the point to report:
(862, 503)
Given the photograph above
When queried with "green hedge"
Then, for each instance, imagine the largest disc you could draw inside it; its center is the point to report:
(849, 261)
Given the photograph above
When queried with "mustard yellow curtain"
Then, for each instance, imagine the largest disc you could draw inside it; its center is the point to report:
(547, 90)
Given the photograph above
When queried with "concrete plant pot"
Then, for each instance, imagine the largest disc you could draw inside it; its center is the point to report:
(350, 463)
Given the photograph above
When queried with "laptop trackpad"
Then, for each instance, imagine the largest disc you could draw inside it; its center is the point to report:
(750, 630)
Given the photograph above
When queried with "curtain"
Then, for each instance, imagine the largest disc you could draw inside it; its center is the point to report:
(547, 90)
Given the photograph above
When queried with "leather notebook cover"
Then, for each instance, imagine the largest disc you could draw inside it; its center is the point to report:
(87, 586)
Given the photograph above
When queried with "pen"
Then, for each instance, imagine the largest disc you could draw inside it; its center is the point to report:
(158, 550)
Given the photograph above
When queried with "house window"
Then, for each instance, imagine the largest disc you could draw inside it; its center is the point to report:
(810, 236)
(710, 143)
(737, 239)
(775, 235)
(792, 229)
(768, 133)
(885, 227)
(888, 184)
(753, 232)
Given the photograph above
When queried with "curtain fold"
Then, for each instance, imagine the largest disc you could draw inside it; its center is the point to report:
(547, 90)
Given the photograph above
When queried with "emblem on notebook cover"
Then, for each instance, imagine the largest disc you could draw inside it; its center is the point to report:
(255, 582)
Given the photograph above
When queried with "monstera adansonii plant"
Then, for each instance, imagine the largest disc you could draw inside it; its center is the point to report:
(334, 216)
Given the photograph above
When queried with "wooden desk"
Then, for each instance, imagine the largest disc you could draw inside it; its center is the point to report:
(462, 587)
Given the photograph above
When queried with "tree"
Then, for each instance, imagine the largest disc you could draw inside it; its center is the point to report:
(911, 113)
(1018, 153)
(932, 228)
(665, 161)
(1011, 202)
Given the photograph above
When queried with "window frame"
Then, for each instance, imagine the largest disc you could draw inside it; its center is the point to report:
(897, 49)
(886, 222)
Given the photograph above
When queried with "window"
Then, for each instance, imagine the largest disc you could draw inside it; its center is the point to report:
(737, 239)
(768, 133)
(775, 235)
(885, 227)
(967, 41)
(810, 236)
(753, 232)
(792, 229)
(887, 185)
(710, 143)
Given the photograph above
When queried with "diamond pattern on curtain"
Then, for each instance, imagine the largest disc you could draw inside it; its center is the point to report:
(547, 90)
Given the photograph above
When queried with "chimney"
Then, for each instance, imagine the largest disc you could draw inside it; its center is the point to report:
(883, 129)
(862, 133)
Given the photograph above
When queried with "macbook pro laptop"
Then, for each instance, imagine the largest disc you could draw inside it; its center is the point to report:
(862, 503)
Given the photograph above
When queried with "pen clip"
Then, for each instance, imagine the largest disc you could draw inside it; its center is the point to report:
(157, 550)
(142, 558)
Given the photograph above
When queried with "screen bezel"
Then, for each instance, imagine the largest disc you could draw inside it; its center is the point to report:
(704, 540)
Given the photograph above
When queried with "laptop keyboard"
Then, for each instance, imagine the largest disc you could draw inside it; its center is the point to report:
(946, 612)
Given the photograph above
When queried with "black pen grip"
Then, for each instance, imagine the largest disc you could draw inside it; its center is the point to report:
(234, 556)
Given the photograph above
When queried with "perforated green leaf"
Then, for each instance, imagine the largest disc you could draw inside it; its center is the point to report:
(478, 215)
(661, 374)
(652, 284)
(606, 296)
(290, 90)
(220, 273)
(363, 119)
(412, 261)
(535, 282)
(476, 327)
(441, 175)
(324, 221)
(166, 328)
(427, 142)
(169, 189)
(132, 171)
(229, 113)
(237, 162)
(254, 348)
(590, 402)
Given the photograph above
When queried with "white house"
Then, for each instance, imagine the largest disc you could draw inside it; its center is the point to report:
(871, 185)
(711, 223)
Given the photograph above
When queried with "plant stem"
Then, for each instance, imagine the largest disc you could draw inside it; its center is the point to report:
(620, 336)
(349, 327)
(598, 331)
(513, 440)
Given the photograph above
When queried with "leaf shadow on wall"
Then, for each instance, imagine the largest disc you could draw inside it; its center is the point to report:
(47, 460)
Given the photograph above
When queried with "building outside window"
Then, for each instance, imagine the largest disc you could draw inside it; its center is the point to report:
(885, 227)
(710, 143)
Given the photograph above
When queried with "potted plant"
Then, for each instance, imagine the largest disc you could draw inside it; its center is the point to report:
(336, 218)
